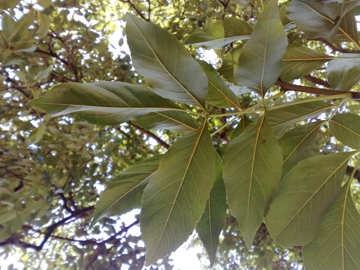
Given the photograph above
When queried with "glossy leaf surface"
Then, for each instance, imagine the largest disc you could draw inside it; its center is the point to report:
(102, 102)
(176, 196)
(221, 33)
(158, 56)
(344, 72)
(213, 219)
(337, 243)
(346, 128)
(299, 61)
(252, 169)
(260, 60)
(124, 192)
(304, 195)
(170, 120)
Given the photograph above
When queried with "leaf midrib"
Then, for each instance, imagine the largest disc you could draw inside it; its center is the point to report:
(171, 75)
(180, 186)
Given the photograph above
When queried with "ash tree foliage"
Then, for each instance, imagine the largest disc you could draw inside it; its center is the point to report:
(256, 148)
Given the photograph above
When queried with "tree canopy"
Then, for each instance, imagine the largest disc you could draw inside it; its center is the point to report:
(237, 119)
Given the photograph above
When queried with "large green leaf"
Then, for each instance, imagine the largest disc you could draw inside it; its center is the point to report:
(106, 103)
(219, 93)
(213, 219)
(124, 192)
(221, 33)
(21, 28)
(170, 120)
(324, 19)
(299, 61)
(304, 195)
(337, 243)
(296, 143)
(252, 170)
(175, 198)
(168, 67)
(346, 128)
(283, 118)
(344, 71)
(260, 59)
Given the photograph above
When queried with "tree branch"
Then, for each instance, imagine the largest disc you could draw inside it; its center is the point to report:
(151, 135)
(313, 90)
(136, 10)
(317, 80)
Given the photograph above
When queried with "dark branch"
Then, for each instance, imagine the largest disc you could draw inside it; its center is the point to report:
(151, 135)
(313, 90)
(317, 80)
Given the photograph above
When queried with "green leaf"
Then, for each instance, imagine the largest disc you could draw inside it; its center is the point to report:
(337, 242)
(252, 170)
(176, 196)
(124, 192)
(168, 67)
(344, 71)
(219, 93)
(229, 64)
(44, 24)
(21, 28)
(170, 120)
(220, 34)
(304, 195)
(346, 128)
(244, 122)
(283, 118)
(106, 103)
(37, 135)
(260, 59)
(300, 61)
(315, 18)
(296, 143)
(213, 219)
(321, 19)
(44, 3)
(5, 4)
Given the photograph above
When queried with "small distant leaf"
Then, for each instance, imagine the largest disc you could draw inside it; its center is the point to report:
(299, 61)
(220, 34)
(296, 143)
(7, 26)
(244, 122)
(213, 219)
(219, 93)
(260, 61)
(229, 64)
(252, 170)
(337, 243)
(176, 196)
(43, 74)
(44, 24)
(170, 120)
(283, 118)
(304, 195)
(124, 192)
(102, 102)
(36, 136)
(344, 71)
(346, 128)
(168, 67)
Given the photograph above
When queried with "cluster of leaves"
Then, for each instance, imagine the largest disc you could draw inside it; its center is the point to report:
(269, 172)
(237, 140)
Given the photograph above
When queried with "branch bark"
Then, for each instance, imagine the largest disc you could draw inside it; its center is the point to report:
(314, 90)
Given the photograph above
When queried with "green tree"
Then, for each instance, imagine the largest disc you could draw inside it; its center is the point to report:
(256, 149)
